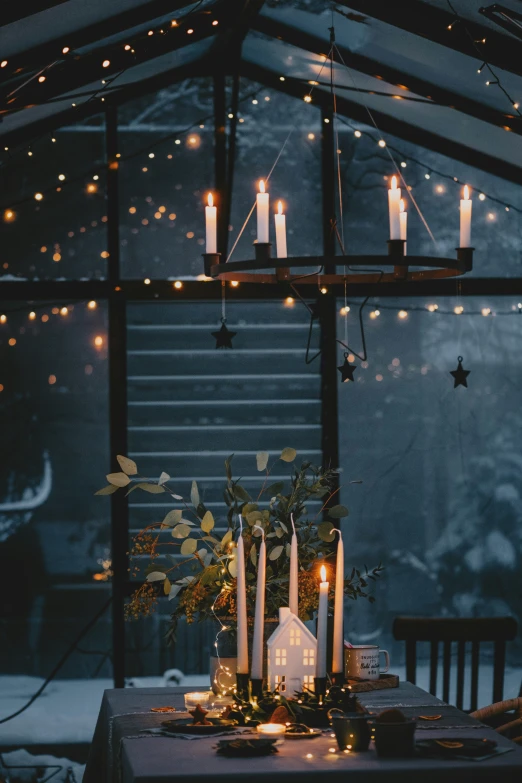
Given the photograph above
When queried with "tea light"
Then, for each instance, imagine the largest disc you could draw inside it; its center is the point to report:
(271, 729)
(197, 697)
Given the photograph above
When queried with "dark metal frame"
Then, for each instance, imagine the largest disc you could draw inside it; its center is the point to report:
(119, 292)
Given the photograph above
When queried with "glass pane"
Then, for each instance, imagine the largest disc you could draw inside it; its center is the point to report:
(54, 534)
(55, 213)
(190, 407)
(436, 186)
(273, 124)
(442, 479)
(166, 142)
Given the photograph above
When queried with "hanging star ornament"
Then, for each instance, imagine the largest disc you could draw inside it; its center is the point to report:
(347, 370)
(460, 375)
(224, 336)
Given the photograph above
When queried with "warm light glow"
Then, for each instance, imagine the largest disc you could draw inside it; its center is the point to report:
(289, 301)
(92, 305)
(324, 290)
(482, 196)
(491, 216)
(234, 283)
(382, 143)
(32, 315)
(261, 186)
(402, 314)
(440, 189)
(98, 341)
(279, 207)
(433, 307)
(3, 318)
(61, 177)
(65, 50)
(92, 187)
(401, 205)
(12, 341)
(307, 99)
(9, 216)
(357, 134)
(64, 311)
(178, 284)
(147, 281)
(271, 729)
(3, 63)
(210, 200)
(466, 193)
(485, 311)
(106, 63)
(393, 185)
(323, 574)
(38, 196)
(458, 310)
(41, 79)
(52, 380)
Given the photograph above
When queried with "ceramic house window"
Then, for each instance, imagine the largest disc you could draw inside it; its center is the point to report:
(308, 681)
(309, 657)
(280, 683)
(291, 655)
(295, 636)
(280, 657)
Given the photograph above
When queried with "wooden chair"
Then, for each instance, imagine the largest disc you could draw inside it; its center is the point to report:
(461, 630)
(497, 714)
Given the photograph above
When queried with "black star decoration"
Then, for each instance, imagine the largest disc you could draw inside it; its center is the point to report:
(460, 375)
(347, 370)
(224, 336)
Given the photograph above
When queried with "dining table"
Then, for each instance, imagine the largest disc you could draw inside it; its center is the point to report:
(129, 746)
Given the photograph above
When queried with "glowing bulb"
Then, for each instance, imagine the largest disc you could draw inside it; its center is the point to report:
(323, 574)
(261, 186)
(147, 281)
(440, 189)
(106, 63)
(289, 301)
(178, 284)
(482, 196)
(65, 50)
(311, 136)
(61, 177)
(38, 196)
(9, 216)
(3, 318)
(92, 305)
(215, 23)
(234, 283)
(190, 31)
(324, 289)
(382, 143)
(402, 314)
(3, 63)
(127, 47)
(357, 134)
(458, 310)
(307, 99)
(32, 315)
(433, 307)
(485, 311)
(64, 311)
(427, 176)
(41, 79)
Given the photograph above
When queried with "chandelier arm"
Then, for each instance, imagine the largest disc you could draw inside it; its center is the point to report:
(309, 360)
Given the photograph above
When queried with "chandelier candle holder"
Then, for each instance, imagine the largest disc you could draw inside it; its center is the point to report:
(265, 269)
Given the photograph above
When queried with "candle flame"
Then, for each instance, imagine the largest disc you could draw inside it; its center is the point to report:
(280, 207)
(323, 574)
(261, 185)
(466, 192)
(401, 205)
(210, 200)
(394, 182)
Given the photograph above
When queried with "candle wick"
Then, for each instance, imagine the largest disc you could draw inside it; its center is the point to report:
(261, 529)
(292, 521)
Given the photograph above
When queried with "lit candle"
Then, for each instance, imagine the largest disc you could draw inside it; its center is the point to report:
(465, 219)
(242, 628)
(403, 215)
(201, 698)
(262, 213)
(259, 620)
(280, 229)
(338, 635)
(211, 225)
(271, 729)
(322, 622)
(293, 597)
(394, 197)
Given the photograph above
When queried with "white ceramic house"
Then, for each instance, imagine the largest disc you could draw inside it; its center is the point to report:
(291, 655)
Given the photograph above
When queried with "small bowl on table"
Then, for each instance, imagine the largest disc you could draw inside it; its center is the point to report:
(394, 734)
(352, 732)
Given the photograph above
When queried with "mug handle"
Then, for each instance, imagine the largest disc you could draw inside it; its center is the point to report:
(387, 657)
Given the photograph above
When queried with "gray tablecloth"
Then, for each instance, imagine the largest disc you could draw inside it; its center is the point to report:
(122, 753)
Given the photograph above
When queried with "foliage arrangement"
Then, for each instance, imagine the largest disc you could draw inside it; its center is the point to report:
(203, 580)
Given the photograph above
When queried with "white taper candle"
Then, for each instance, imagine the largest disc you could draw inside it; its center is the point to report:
(211, 226)
(403, 215)
(262, 202)
(280, 229)
(394, 197)
(259, 618)
(242, 627)
(338, 634)
(322, 626)
(465, 219)
(293, 590)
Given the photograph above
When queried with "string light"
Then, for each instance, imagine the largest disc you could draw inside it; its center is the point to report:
(106, 63)
(41, 79)
(3, 318)
(486, 311)
(98, 341)
(9, 216)
(306, 99)
(432, 307)
(32, 315)
(234, 283)
(402, 314)
(92, 305)
(38, 196)
(382, 143)
(61, 177)
(482, 196)
(65, 50)
(147, 281)
(3, 63)
(178, 284)
(458, 310)
(357, 134)
(64, 311)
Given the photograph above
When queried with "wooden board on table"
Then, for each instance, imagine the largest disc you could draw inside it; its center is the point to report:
(384, 681)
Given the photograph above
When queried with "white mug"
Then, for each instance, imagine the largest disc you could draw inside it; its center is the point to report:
(362, 661)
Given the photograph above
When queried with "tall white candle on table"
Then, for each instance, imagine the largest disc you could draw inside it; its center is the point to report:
(338, 635)
(465, 219)
(242, 628)
(259, 619)
(211, 225)
(280, 229)
(322, 626)
(403, 215)
(293, 592)
(262, 203)
(394, 198)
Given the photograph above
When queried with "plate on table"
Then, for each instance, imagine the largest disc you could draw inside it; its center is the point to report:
(243, 747)
(186, 726)
(456, 746)
(300, 731)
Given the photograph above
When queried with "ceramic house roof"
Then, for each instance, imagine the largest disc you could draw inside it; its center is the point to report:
(285, 621)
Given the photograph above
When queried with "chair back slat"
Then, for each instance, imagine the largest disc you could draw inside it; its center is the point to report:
(498, 630)
(461, 660)
(411, 660)
(434, 665)
(475, 652)
(446, 669)
(499, 662)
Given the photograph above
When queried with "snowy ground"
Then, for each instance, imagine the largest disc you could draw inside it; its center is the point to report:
(67, 710)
